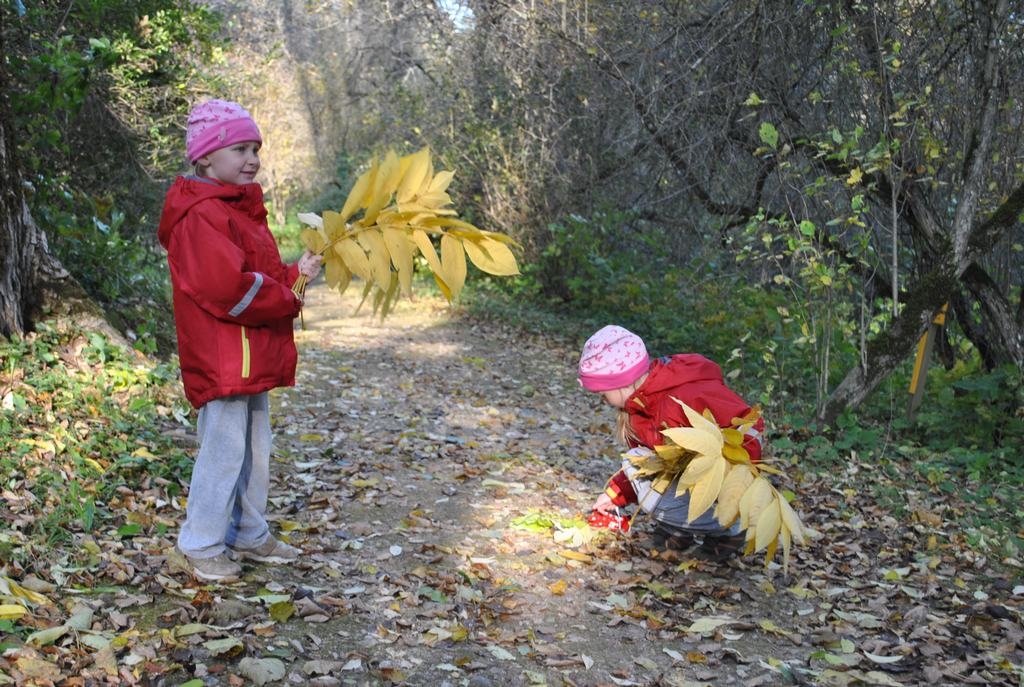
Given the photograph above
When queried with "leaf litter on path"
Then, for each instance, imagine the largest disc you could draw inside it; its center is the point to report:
(417, 461)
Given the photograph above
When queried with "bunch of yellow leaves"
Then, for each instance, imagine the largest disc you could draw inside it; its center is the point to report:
(711, 463)
(405, 206)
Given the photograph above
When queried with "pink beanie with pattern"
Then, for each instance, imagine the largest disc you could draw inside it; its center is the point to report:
(613, 358)
(216, 124)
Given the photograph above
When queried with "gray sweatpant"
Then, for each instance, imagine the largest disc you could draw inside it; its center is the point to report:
(673, 510)
(227, 497)
(670, 509)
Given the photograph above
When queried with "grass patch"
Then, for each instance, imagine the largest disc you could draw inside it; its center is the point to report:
(89, 443)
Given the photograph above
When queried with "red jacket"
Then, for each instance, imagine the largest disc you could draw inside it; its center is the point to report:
(233, 304)
(697, 382)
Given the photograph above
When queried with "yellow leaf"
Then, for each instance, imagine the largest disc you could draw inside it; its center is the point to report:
(335, 273)
(445, 291)
(695, 470)
(427, 178)
(754, 499)
(462, 228)
(435, 201)
(334, 226)
(12, 588)
(669, 452)
(558, 588)
(383, 188)
(748, 420)
(705, 491)
(355, 259)
(377, 254)
(736, 454)
(772, 547)
(426, 246)
(313, 240)
(453, 264)
(311, 219)
(12, 611)
(791, 520)
(697, 420)
(697, 439)
(501, 238)
(390, 295)
(769, 522)
(360, 190)
(440, 182)
(575, 556)
(735, 484)
(401, 250)
(787, 543)
(418, 213)
(492, 257)
(732, 437)
(415, 175)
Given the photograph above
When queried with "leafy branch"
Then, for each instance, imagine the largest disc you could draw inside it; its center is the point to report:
(711, 463)
(405, 205)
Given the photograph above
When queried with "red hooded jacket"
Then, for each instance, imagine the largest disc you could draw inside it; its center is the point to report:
(233, 303)
(697, 382)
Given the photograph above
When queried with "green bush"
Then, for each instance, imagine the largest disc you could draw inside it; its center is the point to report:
(127, 276)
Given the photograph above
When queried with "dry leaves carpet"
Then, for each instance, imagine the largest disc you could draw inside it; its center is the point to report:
(407, 459)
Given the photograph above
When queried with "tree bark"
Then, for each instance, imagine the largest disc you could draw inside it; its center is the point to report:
(955, 250)
(31, 279)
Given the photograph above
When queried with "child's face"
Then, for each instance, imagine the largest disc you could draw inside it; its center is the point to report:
(233, 164)
(617, 397)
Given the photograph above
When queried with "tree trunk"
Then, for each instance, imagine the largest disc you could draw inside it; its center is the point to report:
(956, 250)
(31, 279)
(888, 350)
(1002, 329)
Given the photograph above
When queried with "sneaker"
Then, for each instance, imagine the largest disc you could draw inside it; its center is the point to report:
(219, 568)
(720, 549)
(669, 538)
(271, 551)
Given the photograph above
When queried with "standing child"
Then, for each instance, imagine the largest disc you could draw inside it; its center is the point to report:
(615, 364)
(234, 311)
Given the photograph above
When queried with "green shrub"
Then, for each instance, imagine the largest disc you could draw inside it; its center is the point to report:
(127, 276)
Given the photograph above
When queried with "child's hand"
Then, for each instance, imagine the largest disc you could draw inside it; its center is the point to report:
(309, 265)
(603, 504)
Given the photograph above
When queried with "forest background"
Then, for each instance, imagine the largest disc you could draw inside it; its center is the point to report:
(796, 190)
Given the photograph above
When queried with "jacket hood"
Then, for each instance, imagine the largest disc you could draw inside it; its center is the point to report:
(187, 192)
(685, 368)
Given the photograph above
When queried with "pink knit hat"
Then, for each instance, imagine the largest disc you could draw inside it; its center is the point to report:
(216, 124)
(612, 358)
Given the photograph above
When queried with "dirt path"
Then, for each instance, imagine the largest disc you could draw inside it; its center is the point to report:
(410, 449)
(413, 453)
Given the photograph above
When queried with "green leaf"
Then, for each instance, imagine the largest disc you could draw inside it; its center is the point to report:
(282, 610)
(769, 134)
(129, 530)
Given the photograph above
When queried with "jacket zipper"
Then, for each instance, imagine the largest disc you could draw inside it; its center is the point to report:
(245, 354)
